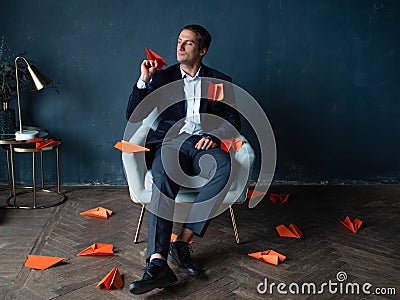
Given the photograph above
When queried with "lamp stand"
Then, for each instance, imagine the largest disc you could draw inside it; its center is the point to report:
(22, 135)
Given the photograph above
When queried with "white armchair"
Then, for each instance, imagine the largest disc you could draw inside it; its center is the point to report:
(140, 179)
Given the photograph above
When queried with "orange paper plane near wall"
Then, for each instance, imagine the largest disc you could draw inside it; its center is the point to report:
(215, 91)
(97, 249)
(47, 143)
(112, 279)
(129, 147)
(251, 194)
(352, 226)
(151, 55)
(42, 262)
(98, 212)
(278, 198)
(269, 256)
(234, 143)
(293, 231)
(174, 236)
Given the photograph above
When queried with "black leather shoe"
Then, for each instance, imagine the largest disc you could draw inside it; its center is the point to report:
(179, 253)
(154, 277)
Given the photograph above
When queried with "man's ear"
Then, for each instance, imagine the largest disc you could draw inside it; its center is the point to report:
(203, 51)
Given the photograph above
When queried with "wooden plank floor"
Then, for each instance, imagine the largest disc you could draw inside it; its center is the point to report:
(371, 255)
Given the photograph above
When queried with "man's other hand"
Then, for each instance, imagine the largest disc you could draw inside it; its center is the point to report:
(205, 144)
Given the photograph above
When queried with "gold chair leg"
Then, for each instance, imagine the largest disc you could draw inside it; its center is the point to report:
(139, 226)
(234, 225)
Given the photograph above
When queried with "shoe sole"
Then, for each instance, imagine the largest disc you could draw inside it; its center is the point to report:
(144, 290)
(172, 259)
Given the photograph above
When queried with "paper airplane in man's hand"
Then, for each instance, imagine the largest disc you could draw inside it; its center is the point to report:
(151, 55)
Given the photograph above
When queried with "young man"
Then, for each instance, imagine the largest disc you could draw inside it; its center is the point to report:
(194, 138)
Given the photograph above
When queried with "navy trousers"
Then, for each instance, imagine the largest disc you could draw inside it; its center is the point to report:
(214, 164)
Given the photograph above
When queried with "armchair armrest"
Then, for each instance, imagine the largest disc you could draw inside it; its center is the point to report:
(135, 165)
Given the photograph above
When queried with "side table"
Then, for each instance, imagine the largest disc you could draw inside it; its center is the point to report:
(12, 146)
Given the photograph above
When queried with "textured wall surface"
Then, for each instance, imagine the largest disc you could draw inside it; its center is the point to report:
(325, 72)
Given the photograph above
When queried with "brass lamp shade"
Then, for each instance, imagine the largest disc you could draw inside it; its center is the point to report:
(39, 81)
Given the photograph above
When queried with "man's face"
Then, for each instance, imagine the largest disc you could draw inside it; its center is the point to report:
(187, 50)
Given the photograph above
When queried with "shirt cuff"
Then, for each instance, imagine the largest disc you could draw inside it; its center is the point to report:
(141, 84)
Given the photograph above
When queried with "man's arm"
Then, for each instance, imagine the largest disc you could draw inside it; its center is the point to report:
(141, 89)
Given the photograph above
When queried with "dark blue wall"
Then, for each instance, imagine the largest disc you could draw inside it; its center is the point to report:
(325, 72)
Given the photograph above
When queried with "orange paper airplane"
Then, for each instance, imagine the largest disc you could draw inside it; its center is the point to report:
(42, 262)
(281, 198)
(46, 143)
(235, 143)
(151, 55)
(293, 231)
(129, 147)
(98, 212)
(112, 279)
(352, 226)
(174, 236)
(251, 194)
(215, 91)
(269, 256)
(97, 249)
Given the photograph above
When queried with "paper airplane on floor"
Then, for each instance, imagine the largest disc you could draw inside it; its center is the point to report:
(234, 143)
(97, 249)
(112, 279)
(293, 231)
(129, 147)
(278, 198)
(269, 256)
(215, 91)
(174, 236)
(151, 55)
(98, 212)
(254, 194)
(42, 262)
(352, 226)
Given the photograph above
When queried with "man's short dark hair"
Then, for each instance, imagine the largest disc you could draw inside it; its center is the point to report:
(203, 37)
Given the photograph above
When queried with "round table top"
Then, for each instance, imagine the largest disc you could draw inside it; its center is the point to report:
(9, 139)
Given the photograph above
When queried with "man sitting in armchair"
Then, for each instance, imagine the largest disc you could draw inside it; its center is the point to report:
(183, 129)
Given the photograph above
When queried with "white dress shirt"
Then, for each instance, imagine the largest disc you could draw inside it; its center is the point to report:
(192, 90)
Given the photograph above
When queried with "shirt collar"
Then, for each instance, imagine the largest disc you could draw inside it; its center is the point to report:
(183, 73)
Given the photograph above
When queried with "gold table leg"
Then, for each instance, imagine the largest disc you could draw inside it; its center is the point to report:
(58, 170)
(41, 168)
(34, 179)
(14, 193)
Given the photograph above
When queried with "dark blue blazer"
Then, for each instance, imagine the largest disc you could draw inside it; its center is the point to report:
(174, 114)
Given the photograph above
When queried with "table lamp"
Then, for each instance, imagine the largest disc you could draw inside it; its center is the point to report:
(39, 81)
